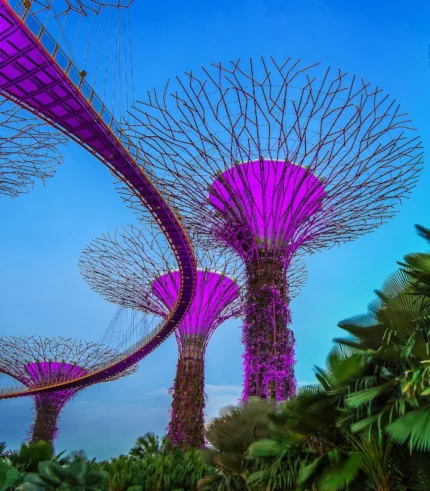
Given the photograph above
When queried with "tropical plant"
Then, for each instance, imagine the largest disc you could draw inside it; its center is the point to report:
(230, 435)
(10, 476)
(122, 473)
(78, 476)
(178, 470)
(31, 454)
(372, 397)
(3, 451)
(395, 336)
(308, 448)
(149, 444)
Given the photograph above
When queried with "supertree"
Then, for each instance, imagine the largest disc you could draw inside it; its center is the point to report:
(133, 269)
(29, 149)
(271, 160)
(38, 362)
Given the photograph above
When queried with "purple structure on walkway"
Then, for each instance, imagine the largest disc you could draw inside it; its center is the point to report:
(271, 160)
(39, 362)
(125, 268)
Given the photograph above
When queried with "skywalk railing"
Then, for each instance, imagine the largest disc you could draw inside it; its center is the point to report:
(77, 77)
(115, 359)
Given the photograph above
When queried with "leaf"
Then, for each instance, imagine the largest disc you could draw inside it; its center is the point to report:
(415, 427)
(265, 448)
(339, 476)
(361, 397)
(52, 471)
(308, 472)
(12, 477)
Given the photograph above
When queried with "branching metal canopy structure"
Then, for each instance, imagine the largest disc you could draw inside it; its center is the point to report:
(40, 362)
(133, 269)
(29, 150)
(273, 159)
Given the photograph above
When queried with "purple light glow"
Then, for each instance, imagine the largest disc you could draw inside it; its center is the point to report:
(268, 377)
(268, 200)
(43, 372)
(49, 405)
(214, 292)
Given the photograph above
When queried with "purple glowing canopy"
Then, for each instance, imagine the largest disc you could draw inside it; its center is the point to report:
(214, 293)
(43, 372)
(268, 200)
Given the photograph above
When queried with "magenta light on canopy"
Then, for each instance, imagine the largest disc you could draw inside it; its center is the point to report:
(212, 304)
(42, 372)
(48, 405)
(214, 292)
(268, 199)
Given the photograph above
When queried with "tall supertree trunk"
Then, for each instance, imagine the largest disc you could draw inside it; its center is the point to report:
(269, 343)
(45, 426)
(186, 428)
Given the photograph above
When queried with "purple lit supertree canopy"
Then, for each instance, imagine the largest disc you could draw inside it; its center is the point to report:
(270, 160)
(29, 150)
(40, 362)
(134, 270)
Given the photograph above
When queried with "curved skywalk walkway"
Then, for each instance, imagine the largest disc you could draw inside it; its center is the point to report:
(36, 74)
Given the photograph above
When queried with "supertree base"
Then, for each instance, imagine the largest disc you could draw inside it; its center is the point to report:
(186, 428)
(45, 426)
(269, 343)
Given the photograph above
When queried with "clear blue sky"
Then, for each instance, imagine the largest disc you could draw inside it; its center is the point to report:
(43, 233)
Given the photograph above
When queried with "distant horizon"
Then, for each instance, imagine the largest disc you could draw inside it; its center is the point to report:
(44, 232)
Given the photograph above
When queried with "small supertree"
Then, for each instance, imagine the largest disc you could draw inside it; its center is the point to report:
(271, 160)
(39, 362)
(133, 269)
(29, 150)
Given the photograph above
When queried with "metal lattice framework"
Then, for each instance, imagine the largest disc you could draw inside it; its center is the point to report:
(122, 267)
(274, 159)
(39, 362)
(29, 150)
(81, 7)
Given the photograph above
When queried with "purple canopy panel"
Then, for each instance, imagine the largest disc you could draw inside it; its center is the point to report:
(268, 201)
(42, 372)
(49, 404)
(214, 292)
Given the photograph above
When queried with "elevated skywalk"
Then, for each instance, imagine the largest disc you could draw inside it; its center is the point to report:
(37, 75)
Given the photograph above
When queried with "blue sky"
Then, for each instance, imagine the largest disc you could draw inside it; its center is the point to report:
(43, 233)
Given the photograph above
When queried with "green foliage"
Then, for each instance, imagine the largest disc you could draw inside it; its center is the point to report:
(230, 435)
(31, 454)
(155, 465)
(10, 476)
(149, 444)
(176, 470)
(80, 475)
